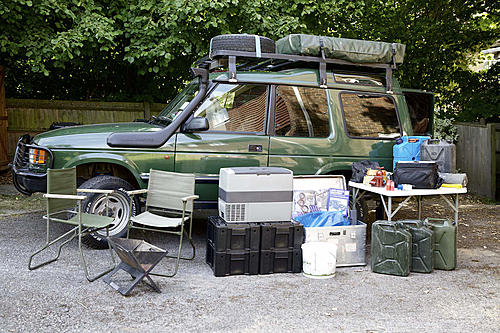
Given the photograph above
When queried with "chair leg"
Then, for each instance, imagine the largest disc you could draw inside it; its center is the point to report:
(178, 257)
(190, 239)
(84, 264)
(110, 248)
(47, 245)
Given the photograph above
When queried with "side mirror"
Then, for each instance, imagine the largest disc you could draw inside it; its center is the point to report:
(196, 124)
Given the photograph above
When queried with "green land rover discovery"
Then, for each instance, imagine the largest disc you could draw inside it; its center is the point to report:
(271, 111)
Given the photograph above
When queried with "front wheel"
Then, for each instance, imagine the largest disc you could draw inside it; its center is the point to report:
(118, 207)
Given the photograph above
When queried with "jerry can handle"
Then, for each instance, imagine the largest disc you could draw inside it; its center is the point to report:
(416, 223)
(388, 224)
(426, 221)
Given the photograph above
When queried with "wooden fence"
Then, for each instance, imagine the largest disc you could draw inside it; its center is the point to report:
(478, 155)
(35, 116)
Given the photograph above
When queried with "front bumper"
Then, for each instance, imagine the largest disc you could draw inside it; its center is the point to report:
(28, 183)
(24, 179)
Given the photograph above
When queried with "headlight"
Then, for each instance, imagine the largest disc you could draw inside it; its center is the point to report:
(38, 156)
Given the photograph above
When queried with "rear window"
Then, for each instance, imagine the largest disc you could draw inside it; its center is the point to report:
(421, 108)
(370, 115)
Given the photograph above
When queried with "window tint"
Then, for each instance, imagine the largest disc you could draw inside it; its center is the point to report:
(235, 108)
(370, 116)
(301, 112)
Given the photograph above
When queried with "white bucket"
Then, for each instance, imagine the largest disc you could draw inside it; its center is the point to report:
(319, 259)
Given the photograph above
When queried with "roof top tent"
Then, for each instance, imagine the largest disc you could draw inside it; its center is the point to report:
(322, 52)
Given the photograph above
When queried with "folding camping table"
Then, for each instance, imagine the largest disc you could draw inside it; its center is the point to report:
(359, 190)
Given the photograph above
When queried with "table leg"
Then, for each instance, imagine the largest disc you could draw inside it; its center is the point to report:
(419, 204)
(389, 204)
(453, 205)
(354, 197)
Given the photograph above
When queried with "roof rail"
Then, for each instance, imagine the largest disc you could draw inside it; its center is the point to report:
(241, 60)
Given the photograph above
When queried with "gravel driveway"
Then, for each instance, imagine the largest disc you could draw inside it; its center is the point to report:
(59, 298)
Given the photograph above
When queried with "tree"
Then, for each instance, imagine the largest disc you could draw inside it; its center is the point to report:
(137, 50)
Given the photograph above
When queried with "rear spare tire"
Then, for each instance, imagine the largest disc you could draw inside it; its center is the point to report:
(241, 42)
(119, 207)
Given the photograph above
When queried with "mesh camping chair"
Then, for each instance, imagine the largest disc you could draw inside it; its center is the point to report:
(61, 201)
(169, 204)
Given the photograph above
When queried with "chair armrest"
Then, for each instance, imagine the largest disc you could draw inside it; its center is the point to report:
(91, 190)
(64, 196)
(134, 192)
(190, 197)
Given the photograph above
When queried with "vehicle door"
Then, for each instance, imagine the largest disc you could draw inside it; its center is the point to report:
(236, 137)
(368, 125)
(421, 110)
(302, 128)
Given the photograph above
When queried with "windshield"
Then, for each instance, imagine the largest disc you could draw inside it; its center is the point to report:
(179, 103)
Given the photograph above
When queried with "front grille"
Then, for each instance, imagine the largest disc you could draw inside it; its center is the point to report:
(21, 158)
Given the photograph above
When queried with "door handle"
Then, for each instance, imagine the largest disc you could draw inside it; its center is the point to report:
(255, 148)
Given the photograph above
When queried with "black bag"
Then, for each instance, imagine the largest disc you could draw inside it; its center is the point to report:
(359, 169)
(423, 175)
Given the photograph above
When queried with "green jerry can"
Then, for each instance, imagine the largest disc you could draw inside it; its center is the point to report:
(390, 248)
(445, 243)
(422, 243)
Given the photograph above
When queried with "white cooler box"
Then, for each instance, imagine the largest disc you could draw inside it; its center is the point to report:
(351, 242)
(255, 194)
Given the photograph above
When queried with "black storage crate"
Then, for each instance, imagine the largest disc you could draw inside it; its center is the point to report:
(281, 236)
(280, 261)
(232, 236)
(232, 262)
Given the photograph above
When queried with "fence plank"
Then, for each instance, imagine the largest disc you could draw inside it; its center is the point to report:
(477, 156)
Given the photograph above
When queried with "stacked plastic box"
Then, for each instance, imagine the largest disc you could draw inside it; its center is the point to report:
(253, 233)
(280, 247)
(253, 248)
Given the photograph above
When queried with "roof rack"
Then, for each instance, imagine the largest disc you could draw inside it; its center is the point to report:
(242, 60)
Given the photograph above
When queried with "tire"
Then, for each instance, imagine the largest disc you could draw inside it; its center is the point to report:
(241, 42)
(119, 203)
(362, 210)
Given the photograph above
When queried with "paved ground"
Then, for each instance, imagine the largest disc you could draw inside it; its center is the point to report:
(59, 298)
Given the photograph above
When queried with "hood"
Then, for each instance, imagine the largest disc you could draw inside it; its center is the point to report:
(89, 136)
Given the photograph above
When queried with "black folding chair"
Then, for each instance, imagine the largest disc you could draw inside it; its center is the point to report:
(138, 259)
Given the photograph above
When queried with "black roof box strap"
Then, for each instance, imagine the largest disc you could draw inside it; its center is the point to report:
(322, 66)
(232, 69)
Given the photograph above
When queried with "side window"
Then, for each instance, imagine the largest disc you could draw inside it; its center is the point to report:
(370, 116)
(235, 108)
(302, 112)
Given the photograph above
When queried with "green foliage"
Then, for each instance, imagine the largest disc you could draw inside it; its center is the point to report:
(444, 129)
(142, 50)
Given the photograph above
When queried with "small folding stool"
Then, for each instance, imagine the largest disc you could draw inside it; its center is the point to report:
(138, 259)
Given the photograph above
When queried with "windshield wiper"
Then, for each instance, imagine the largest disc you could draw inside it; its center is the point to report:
(160, 120)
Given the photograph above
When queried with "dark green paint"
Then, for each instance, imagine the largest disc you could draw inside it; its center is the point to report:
(445, 243)
(390, 249)
(422, 244)
(206, 152)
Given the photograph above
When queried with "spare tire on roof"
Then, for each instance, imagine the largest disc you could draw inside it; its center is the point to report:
(241, 42)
